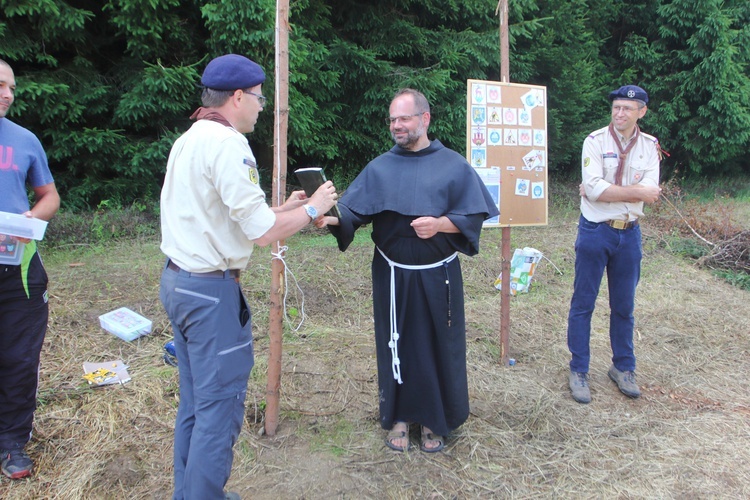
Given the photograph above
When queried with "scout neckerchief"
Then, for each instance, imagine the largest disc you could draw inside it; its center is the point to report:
(623, 153)
(209, 114)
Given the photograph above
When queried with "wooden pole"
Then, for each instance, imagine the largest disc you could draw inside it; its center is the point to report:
(502, 9)
(281, 120)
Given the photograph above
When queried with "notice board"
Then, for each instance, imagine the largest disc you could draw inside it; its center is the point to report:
(506, 142)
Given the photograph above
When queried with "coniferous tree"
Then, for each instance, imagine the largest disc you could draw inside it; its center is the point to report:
(108, 85)
(694, 57)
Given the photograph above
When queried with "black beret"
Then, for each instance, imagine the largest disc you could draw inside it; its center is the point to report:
(631, 92)
(232, 72)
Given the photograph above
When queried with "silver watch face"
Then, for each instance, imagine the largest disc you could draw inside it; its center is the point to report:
(311, 211)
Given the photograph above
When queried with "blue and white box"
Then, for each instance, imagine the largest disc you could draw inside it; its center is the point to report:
(125, 324)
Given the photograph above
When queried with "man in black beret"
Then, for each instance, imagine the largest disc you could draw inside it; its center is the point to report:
(620, 166)
(213, 212)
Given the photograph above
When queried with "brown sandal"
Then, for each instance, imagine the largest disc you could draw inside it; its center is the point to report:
(429, 436)
(393, 434)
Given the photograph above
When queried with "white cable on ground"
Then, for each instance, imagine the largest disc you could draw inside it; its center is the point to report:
(553, 264)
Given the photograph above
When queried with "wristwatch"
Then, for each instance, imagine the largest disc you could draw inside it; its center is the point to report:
(311, 211)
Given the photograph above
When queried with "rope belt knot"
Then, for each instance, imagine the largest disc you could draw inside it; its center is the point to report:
(393, 343)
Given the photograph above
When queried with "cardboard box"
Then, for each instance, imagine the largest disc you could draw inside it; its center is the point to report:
(125, 324)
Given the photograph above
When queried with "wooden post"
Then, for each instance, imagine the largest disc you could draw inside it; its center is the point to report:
(502, 10)
(281, 120)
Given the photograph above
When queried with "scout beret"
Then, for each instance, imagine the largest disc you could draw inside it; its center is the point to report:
(631, 92)
(232, 72)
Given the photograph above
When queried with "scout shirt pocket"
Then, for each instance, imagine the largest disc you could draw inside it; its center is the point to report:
(609, 166)
(636, 172)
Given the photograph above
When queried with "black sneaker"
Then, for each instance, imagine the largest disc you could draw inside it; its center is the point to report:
(16, 464)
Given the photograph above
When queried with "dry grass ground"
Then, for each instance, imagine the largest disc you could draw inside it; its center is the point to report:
(688, 436)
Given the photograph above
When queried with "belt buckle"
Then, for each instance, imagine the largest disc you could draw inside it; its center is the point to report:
(619, 224)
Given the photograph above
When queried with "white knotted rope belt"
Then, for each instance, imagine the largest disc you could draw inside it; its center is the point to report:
(393, 343)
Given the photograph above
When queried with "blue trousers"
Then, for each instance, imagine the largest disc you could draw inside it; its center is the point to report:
(214, 345)
(23, 324)
(599, 247)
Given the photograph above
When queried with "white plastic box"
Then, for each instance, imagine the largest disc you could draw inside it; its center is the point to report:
(125, 324)
(20, 225)
(13, 226)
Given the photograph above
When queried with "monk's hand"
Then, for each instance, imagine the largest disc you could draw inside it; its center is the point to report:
(426, 227)
(326, 220)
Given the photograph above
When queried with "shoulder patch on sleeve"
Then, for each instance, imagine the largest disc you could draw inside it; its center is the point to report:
(252, 170)
(253, 173)
(586, 162)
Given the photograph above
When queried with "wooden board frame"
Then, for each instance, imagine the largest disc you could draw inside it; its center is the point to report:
(506, 142)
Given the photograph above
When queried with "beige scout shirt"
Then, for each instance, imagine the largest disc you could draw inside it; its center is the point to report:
(599, 165)
(211, 204)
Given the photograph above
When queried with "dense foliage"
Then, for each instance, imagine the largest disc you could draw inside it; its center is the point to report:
(109, 84)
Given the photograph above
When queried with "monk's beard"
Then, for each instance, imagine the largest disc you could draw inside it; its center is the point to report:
(412, 137)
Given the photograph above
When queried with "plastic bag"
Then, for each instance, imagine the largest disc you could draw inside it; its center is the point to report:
(522, 267)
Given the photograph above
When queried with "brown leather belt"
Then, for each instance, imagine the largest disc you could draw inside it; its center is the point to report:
(621, 224)
(234, 273)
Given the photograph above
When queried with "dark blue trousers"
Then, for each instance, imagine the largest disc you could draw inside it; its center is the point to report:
(600, 247)
(23, 325)
(213, 340)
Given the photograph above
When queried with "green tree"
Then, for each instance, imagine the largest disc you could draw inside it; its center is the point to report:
(356, 54)
(559, 44)
(108, 85)
(693, 57)
(92, 86)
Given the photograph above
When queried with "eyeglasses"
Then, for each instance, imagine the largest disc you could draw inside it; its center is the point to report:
(261, 98)
(625, 109)
(404, 119)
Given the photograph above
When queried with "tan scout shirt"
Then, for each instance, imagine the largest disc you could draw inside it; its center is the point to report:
(599, 165)
(211, 204)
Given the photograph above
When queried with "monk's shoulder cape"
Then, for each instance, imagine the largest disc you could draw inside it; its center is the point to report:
(434, 181)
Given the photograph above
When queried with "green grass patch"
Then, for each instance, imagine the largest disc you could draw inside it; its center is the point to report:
(331, 437)
(735, 278)
(687, 247)
(102, 225)
(321, 238)
(736, 187)
(260, 369)
(244, 450)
